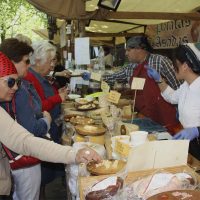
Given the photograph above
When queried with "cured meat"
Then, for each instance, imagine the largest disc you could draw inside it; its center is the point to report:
(101, 190)
(160, 182)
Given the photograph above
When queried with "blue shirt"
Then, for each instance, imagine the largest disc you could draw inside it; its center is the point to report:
(28, 108)
(55, 130)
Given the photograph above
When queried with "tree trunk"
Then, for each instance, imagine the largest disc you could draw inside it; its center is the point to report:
(3, 34)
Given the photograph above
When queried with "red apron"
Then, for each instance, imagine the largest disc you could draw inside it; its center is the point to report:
(149, 101)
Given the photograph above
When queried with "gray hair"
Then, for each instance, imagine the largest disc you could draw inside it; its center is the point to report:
(140, 42)
(41, 51)
(24, 38)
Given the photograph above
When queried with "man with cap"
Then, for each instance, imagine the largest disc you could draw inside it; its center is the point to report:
(187, 67)
(139, 50)
(148, 102)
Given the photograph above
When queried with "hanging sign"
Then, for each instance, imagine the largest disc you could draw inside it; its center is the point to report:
(82, 51)
(173, 33)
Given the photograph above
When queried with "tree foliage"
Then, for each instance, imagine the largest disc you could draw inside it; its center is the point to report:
(18, 16)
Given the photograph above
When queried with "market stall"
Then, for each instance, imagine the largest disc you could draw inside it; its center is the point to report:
(129, 142)
(105, 130)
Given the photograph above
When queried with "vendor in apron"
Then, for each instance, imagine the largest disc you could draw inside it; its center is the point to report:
(149, 102)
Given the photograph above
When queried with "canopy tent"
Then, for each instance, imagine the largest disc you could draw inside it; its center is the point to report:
(76, 9)
(132, 16)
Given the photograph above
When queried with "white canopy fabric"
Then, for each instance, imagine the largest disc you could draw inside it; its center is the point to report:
(73, 9)
(65, 9)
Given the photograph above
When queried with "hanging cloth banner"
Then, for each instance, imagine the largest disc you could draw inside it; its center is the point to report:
(61, 8)
(172, 33)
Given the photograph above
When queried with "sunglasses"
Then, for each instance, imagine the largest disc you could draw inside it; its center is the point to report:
(11, 82)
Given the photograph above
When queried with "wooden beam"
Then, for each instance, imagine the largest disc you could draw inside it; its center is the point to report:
(121, 22)
(144, 15)
(95, 34)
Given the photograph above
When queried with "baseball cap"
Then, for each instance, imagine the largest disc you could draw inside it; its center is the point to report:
(138, 42)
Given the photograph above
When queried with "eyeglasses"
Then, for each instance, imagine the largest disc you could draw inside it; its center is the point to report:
(53, 61)
(27, 61)
(11, 82)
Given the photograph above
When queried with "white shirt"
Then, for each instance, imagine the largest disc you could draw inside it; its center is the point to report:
(188, 99)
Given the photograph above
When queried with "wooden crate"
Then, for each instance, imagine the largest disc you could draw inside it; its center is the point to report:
(86, 182)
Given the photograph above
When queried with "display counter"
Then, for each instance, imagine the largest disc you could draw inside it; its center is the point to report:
(86, 182)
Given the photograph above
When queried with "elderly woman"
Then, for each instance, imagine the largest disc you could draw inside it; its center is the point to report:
(187, 60)
(19, 140)
(27, 109)
(43, 60)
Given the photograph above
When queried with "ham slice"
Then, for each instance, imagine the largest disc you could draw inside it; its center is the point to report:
(160, 182)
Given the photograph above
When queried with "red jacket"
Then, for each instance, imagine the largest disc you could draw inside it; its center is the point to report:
(47, 103)
(150, 103)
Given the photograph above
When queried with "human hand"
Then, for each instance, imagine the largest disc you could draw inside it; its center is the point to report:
(63, 89)
(64, 73)
(187, 134)
(87, 155)
(68, 90)
(63, 95)
(47, 116)
(152, 73)
(86, 76)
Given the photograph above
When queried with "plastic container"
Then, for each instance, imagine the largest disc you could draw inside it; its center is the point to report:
(138, 137)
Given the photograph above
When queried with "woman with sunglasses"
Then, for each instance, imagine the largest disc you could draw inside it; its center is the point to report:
(187, 66)
(26, 108)
(19, 140)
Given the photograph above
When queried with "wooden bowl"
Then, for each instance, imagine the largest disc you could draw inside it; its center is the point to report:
(86, 107)
(90, 130)
(69, 116)
(82, 120)
(106, 167)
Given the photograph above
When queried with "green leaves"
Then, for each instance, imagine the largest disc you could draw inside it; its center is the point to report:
(18, 16)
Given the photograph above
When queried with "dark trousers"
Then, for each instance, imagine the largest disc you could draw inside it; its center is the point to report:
(4, 197)
(194, 148)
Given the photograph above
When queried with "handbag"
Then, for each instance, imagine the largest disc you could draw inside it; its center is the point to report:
(20, 161)
(17, 161)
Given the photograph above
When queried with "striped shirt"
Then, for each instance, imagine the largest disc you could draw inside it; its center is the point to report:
(162, 64)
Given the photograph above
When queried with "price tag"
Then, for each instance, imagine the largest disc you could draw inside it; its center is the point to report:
(114, 96)
(96, 76)
(122, 148)
(137, 83)
(105, 87)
